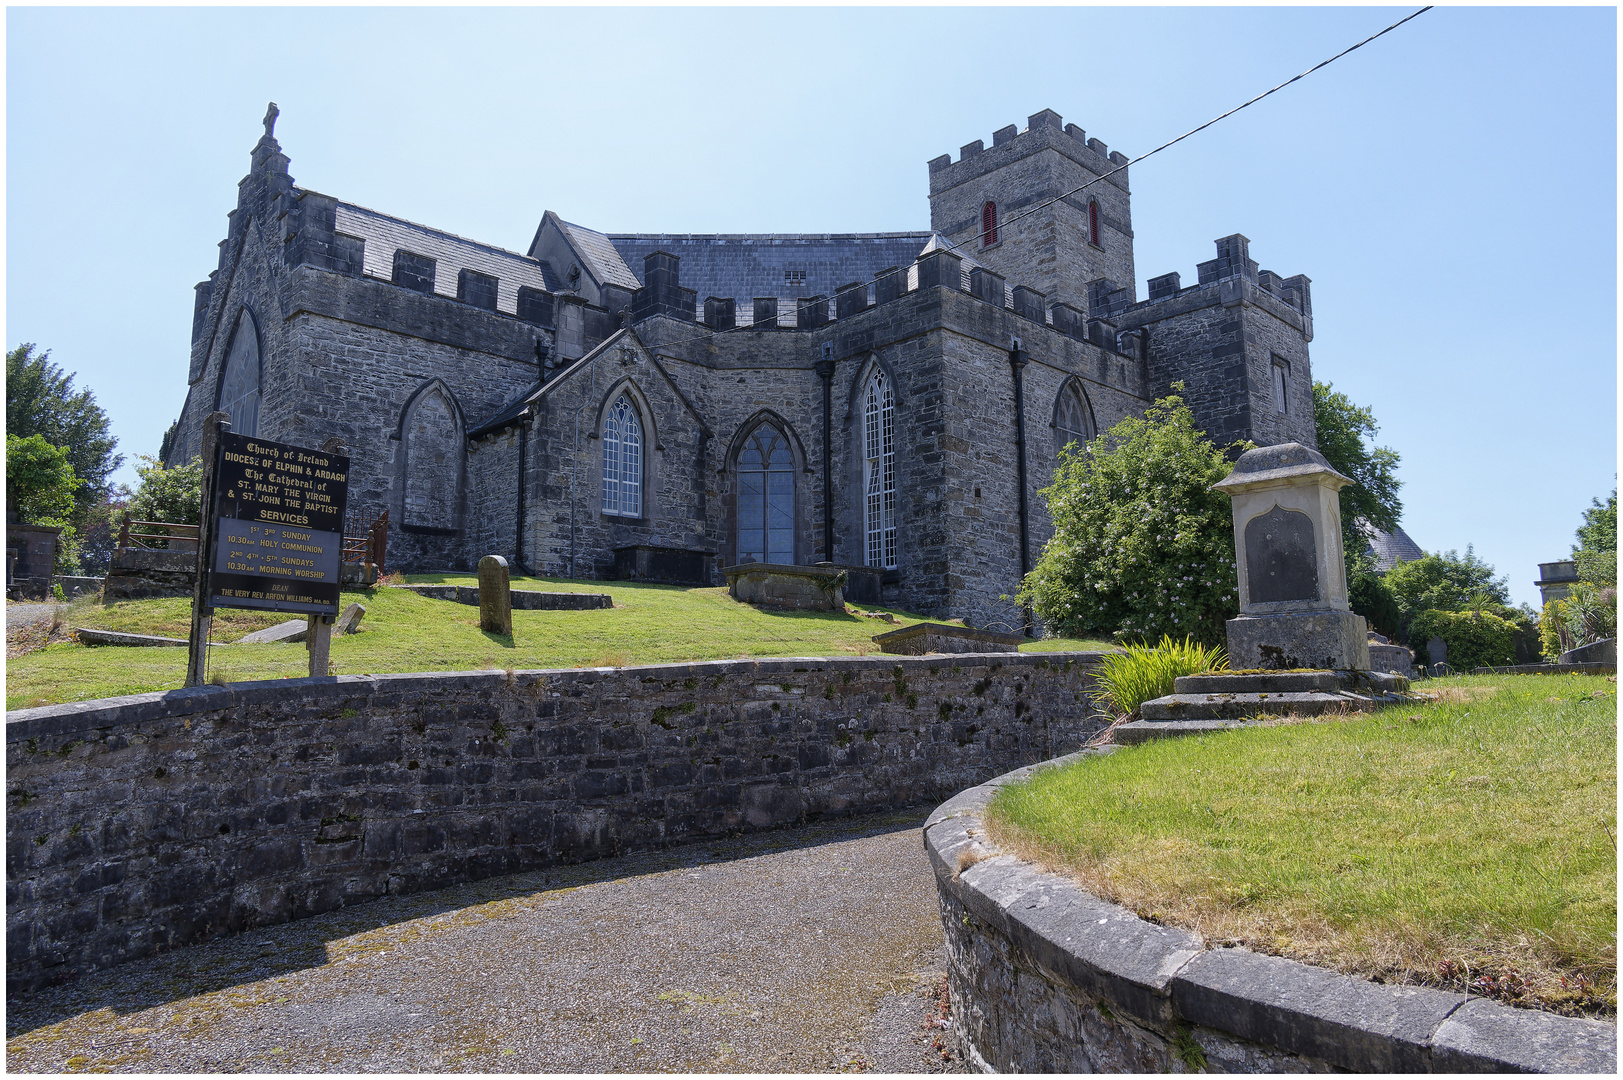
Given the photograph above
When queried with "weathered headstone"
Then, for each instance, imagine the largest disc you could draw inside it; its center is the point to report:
(1436, 651)
(495, 603)
(350, 621)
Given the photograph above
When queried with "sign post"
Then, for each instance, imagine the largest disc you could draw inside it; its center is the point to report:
(214, 426)
(274, 539)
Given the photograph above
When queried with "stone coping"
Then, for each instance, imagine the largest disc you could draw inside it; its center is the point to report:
(1548, 669)
(821, 573)
(519, 599)
(1160, 976)
(948, 630)
(130, 709)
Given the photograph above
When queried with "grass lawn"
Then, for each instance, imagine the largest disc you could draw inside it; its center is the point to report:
(403, 632)
(1466, 843)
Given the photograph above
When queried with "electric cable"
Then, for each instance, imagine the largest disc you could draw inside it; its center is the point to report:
(951, 246)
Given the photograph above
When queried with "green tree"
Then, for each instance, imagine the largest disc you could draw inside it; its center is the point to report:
(39, 480)
(1599, 530)
(1346, 439)
(174, 495)
(40, 400)
(1142, 546)
(1446, 581)
(1346, 434)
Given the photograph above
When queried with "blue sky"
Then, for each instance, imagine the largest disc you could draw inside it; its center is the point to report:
(1451, 189)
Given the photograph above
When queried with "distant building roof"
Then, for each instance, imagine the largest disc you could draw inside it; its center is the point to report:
(385, 234)
(741, 266)
(605, 263)
(1390, 548)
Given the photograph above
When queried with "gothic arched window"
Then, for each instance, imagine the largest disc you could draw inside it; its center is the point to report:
(879, 471)
(1073, 420)
(766, 498)
(431, 437)
(622, 460)
(239, 383)
(1093, 222)
(989, 224)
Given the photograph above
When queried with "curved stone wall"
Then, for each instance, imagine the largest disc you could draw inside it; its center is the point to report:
(1046, 977)
(143, 823)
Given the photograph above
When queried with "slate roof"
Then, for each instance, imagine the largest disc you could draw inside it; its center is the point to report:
(385, 234)
(1390, 548)
(743, 266)
(506, 414)
(602, 259)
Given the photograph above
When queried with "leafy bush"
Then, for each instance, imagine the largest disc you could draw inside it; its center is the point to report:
(1551, 628)
(1142, 546)
(1444, 581)
(1369, 595)
(1474, 638)
(1144, 673)
(174, 495)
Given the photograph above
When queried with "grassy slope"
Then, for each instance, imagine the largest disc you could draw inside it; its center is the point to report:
(1469, 839)
(405, 632)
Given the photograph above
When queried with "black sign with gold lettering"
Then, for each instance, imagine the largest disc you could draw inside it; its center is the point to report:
(278, 526)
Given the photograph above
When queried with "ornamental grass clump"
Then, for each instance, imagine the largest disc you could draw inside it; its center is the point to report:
(1144, 672)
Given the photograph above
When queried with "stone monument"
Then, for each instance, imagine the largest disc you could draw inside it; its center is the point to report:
(1296, 647)
(1292, 576)
(495, 596)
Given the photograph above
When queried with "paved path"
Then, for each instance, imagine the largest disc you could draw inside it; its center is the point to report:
(801, 950)
(27, 614)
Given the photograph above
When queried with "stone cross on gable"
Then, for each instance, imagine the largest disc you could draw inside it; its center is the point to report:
(271, 113)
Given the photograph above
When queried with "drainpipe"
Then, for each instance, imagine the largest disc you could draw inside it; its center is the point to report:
(523, 444)
(1017, 362)
(825, 371)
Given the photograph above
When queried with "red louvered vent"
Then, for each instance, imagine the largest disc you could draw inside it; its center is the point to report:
(989, 224)
(1093, 222)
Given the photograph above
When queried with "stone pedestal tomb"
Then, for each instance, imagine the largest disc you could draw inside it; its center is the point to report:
(1292, 576)
(1296, 646)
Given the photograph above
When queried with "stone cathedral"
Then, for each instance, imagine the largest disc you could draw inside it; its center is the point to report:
(614, 405)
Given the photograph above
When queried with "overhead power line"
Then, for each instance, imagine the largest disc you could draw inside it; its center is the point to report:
(951, 246)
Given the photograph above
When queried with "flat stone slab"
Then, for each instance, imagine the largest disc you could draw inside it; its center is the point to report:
(779, 585)
(1185, 707)
(292, 630)
(88, 636)
(1142, 731)
(1260, 682)
(945, 638)
(522, 599)
(1548, 669)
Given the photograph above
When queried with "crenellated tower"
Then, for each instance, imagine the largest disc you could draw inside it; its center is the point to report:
(1011, 208)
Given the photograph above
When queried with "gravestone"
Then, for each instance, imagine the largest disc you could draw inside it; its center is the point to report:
(495, 603)
(350, 621)
(1436, 651)
(1291, 575)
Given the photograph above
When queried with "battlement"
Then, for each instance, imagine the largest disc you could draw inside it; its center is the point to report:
(936, 268)
(1234, 261)
(1044, 130)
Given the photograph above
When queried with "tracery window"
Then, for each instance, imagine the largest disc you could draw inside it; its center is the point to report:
(766, 498)
(989, 224)
(1072, 420)
(879, 471)
(622, 460)
(239, 383)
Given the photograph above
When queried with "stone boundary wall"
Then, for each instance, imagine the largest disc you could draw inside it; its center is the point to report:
(1046, 977)
(138, 824)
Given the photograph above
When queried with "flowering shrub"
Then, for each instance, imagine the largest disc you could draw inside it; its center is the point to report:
(1142, 546)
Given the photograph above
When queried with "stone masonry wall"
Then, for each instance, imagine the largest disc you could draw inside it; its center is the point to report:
(1046, 977)
(140, 824)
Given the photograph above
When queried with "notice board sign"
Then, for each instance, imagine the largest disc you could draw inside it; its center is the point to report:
(277, 531)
